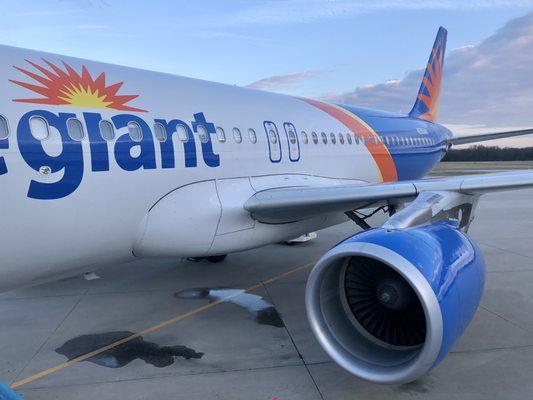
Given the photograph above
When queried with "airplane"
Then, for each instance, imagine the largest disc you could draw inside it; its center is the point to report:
(103, 164)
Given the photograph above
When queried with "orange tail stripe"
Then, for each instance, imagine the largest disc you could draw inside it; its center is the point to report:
(359, 128)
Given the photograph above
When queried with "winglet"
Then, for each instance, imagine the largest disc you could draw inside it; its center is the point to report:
(427, 102)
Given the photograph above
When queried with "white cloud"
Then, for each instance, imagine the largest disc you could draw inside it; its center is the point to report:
(282, 83)
(489, 84)
(307, 11)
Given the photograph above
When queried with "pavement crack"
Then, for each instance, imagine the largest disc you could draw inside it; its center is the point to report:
(505, 319)
(43, 344)
(296, 347)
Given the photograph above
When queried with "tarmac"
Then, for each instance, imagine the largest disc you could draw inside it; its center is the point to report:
(189, 343)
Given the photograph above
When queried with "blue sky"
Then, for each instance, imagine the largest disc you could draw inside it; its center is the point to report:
(340, 44)
(339, 49)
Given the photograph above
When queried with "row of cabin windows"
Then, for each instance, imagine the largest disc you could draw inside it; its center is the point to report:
(388, 140)
(41, 131)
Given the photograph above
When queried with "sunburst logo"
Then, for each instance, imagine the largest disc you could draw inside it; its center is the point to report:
(65, 86)
(433, 85)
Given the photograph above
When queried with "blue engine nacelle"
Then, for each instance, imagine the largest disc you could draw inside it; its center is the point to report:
(388, 305)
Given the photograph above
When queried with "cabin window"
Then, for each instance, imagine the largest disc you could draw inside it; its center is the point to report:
(183, 133)
(333, 138)
(107, 130)
(315, 137)
(202, 133)
(349, 138)
(292, 136)
(324, 138)
(39, 128)
(160, 132)
(4, 128)
(272, 136)
(135, 131)
(341, 138)
(221, 135)
(252, 135)
(75, 129)
(305, 138)
(237, 135)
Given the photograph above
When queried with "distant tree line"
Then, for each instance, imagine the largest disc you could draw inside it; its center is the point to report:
(490, 153)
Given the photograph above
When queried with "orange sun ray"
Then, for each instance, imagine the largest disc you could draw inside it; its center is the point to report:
(66, 86)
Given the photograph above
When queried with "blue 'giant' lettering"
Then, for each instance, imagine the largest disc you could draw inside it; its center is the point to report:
(99, 149)
(167, 146)
(211, 159)
(124, 145)
(4, 144)
(70, 160)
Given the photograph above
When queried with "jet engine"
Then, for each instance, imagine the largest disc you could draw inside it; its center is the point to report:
(387, 305)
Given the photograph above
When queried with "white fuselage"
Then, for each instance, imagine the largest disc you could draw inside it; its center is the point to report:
(194, 208)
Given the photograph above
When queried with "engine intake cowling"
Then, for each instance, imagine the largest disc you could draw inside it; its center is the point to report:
(388, 305)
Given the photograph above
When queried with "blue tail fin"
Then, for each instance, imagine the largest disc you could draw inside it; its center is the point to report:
(427, 102)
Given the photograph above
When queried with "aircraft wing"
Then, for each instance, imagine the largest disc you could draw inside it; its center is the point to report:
(290, 204)
(488, 136)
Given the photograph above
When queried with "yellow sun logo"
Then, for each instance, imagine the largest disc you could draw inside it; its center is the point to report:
(65, 86)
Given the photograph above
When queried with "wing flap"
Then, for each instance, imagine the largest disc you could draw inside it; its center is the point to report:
(297, 203)
(282, 205)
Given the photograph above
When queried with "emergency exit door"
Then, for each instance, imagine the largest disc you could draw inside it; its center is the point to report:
(292, 141)
(274, 144)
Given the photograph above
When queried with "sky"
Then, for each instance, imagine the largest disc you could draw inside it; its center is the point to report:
(362, 52)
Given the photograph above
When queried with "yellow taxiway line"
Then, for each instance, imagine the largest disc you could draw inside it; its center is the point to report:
(151, 329)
